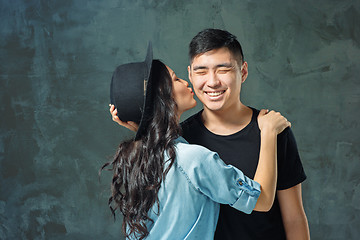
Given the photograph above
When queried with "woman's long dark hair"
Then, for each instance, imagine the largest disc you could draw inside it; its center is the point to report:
(139, 166)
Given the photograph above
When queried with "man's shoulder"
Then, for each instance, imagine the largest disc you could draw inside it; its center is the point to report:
(190, 121)
(255, 111)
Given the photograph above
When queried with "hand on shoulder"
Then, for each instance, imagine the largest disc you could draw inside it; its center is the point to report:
(272, 121)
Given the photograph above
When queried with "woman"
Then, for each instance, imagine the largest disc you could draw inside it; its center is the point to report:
(164, 187)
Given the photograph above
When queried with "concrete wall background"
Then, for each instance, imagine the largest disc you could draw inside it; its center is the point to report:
(56, 61)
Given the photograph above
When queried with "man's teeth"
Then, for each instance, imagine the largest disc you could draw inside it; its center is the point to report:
(214, 94)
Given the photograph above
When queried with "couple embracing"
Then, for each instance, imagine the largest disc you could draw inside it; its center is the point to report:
(228, 172)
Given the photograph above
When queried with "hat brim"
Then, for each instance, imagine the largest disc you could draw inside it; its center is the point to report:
(148, 99)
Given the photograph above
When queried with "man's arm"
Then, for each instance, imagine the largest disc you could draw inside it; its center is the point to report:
(293, 214)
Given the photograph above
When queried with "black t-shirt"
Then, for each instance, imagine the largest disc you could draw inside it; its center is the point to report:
(241, 150)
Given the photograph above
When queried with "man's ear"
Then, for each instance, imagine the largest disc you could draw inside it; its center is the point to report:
(189, 73)
(244, 71)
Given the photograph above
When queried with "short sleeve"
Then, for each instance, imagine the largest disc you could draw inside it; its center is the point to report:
(222, 183)
(290, 169)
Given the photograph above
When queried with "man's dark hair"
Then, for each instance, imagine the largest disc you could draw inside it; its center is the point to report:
(210, 39)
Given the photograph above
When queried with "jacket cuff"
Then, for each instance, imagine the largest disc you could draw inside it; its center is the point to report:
(249, 195)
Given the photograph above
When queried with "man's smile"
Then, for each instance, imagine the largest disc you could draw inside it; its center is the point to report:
(214, 93)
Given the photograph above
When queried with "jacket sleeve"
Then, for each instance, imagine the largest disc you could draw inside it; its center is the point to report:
(222, 183)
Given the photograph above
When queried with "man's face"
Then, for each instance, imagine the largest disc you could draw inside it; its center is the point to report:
(216, 78)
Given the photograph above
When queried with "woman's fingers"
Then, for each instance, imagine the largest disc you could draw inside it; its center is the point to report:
(129, 124)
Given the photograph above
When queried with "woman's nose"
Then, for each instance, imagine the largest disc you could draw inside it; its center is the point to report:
(185, 82)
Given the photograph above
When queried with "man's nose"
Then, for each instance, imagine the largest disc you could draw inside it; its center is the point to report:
(213, 80)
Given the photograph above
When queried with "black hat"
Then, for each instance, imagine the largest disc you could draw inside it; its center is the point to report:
(131, 92)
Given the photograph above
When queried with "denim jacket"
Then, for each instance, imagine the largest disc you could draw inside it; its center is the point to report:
(190, 195)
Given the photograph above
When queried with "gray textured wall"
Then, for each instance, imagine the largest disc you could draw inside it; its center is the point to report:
(56, 60)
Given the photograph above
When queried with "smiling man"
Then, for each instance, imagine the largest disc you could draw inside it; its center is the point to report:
(225, 125)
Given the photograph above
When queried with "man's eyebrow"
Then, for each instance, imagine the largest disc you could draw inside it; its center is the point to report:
(199, 68)
(227, 65)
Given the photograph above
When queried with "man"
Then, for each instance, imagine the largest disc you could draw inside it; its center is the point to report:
(225, 125)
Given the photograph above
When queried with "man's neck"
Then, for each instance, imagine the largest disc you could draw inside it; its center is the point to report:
(227, 122)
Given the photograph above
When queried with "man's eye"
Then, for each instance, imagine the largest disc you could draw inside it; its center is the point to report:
(222, 71)
(200, 72)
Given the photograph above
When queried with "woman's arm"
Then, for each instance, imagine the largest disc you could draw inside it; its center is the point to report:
(270, 124)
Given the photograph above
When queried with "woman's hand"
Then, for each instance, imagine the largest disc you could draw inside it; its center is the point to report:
(129, 124)
(272, 121)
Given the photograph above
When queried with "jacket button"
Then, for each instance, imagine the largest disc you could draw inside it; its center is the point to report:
(240, 183)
